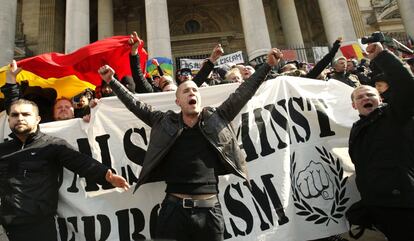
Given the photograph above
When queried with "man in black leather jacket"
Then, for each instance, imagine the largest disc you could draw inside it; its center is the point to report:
(30, 167)
(189, 150)
(381, 145)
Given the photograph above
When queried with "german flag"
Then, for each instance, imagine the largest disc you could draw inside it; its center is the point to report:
(70, 74)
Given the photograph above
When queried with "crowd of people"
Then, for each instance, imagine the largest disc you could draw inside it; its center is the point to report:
(349, 71)
(380, 144)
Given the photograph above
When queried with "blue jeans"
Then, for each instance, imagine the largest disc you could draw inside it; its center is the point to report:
(188, 224)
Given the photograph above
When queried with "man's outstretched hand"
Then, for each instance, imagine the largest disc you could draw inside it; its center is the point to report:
(116, 180)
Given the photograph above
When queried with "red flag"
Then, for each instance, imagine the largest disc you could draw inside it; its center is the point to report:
(85, 62)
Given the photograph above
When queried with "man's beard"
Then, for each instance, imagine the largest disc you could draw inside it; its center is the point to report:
(21, 131)
(64, 116)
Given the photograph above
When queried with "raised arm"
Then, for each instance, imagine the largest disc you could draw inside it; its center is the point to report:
(235, 102)
(141, 83)
(321, 65)
(208, 65)
(401, 80)
(143, 111)
(11, 89)
(155, 62)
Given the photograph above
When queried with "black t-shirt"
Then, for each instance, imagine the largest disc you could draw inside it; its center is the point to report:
(191, 165)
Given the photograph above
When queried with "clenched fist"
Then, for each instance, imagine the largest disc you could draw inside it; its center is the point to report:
(106, 73)
(314, 181)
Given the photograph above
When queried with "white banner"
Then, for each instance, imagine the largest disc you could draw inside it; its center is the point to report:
(319, 53)
(295, 134)
(234, 58)
(193, 64)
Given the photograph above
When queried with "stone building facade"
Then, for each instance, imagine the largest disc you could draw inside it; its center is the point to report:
(176, 28)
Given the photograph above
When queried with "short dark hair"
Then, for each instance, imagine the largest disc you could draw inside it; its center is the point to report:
(24, 102)
(381, 77)
(185, 71)
(62, 98)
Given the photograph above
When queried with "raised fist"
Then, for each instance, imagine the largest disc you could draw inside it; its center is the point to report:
(373, 49)
(314, 181)
(154, 61)
(12, 72)
(135, 43)
(216, 53)
(274, 56)
(106, 73)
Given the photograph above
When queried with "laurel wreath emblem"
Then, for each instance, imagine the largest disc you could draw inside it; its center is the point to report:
(315, 214)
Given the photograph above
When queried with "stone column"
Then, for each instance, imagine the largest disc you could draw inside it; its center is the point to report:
(406, 8)
(337, 20)
(105, 19)
(77, 24)
(158, 29)
(357, 20)
(7, 30)
(256, 34)
(46, 26)
(291, 27)
(290, 22)
(51, 25)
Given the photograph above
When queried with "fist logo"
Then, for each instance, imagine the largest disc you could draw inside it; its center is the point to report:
(314, 181)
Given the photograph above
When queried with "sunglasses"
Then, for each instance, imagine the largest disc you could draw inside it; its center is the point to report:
(185, 73)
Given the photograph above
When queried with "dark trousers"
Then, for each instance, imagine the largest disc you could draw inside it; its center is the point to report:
(397, 224)
(189, 224)
(41, 230)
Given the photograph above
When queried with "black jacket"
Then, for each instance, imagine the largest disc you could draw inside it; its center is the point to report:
(141, 83)
(215, 125)
(30, 173)
(346, 78)
(381, 145)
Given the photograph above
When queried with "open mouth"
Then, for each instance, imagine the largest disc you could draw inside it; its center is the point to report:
(368, 105)
(192, 102)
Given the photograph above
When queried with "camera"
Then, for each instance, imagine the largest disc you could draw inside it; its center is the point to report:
(375, 37)
(361, 66)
